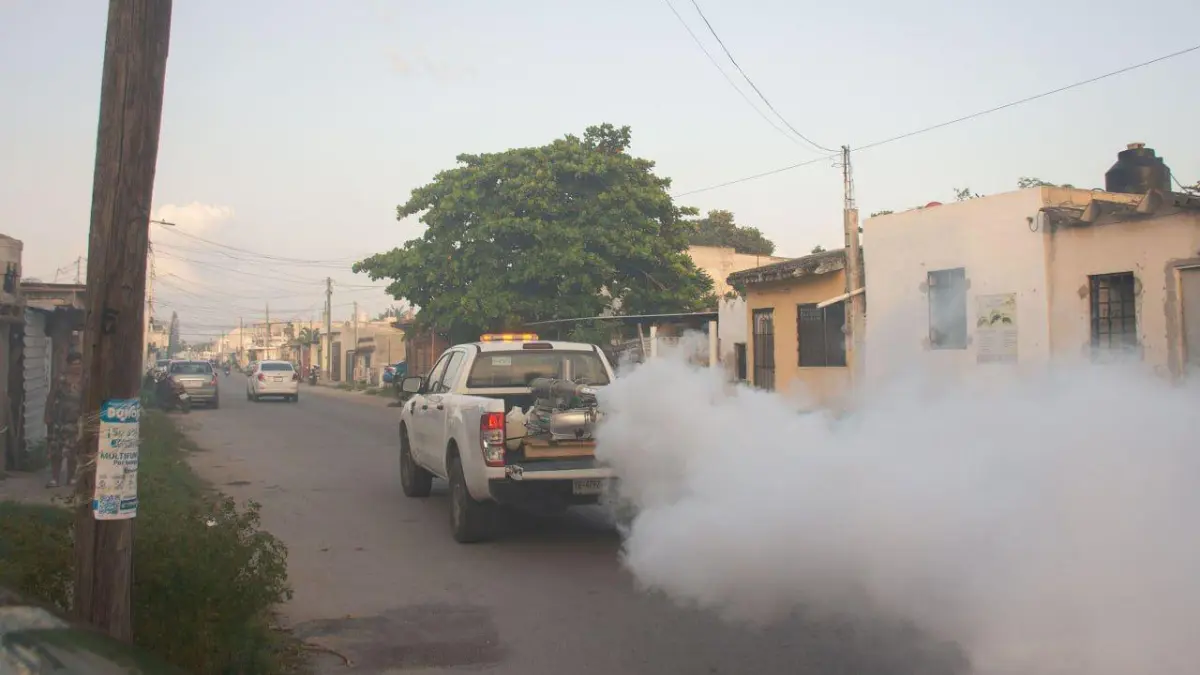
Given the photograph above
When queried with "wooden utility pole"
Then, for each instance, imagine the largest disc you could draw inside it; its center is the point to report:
(131, 100)
(855, 291)
(328, 329)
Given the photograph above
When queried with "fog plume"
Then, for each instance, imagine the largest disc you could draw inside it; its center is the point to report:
(1047, 526)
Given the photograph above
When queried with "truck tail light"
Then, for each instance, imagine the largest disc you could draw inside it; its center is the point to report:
(262, 378)
(491, 438)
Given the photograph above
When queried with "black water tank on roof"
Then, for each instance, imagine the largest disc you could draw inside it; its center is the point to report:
(1137, 171)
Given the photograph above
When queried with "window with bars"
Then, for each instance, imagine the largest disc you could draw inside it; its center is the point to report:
(764, 349)
(947, 308)
(821, 340)
(1114, 312)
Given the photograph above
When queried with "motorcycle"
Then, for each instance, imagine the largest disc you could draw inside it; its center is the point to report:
(312, 376)
(226, 370)
(171, 394)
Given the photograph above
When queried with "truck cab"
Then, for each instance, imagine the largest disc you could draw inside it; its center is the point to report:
(507, 420)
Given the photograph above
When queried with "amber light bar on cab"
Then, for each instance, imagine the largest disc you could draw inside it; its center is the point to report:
(508, 337)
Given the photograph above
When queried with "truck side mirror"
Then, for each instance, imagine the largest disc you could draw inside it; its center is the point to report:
(412, 385)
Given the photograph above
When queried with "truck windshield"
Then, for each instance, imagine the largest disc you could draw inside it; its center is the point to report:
(496, 370)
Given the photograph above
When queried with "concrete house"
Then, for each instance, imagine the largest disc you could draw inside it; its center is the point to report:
(1020, 280)
(795, 313)
(719, 262)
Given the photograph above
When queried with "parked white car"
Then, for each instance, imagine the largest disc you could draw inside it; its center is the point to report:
(273, 378)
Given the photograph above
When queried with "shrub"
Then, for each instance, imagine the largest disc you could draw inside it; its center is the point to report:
(207, 578)
(35, 547)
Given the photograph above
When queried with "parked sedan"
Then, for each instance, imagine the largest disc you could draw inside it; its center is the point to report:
(199, 379)
(273, 378)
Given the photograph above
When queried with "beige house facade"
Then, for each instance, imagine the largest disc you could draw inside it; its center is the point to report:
(718, 262)
(796, 344)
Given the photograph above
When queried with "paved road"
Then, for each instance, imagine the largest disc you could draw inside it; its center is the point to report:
(378, 578)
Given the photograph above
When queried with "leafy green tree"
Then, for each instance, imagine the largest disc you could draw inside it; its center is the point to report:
(541, 233)
(819, 248)
(719, 229)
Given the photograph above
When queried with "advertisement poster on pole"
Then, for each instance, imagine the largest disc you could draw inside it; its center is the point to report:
(115, 496)
(996, 328)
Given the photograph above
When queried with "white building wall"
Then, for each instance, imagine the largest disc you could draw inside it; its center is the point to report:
(997, 242)
(37, 375)
(731, 329)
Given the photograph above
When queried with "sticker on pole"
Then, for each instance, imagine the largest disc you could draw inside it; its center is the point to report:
(115, 497)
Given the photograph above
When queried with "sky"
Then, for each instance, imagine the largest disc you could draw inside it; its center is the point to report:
(292, 129)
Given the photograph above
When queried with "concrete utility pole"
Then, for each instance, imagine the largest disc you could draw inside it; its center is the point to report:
(131, 100)
(328, 329)
(241, 340)
(855, 291)
(268, 350)
(79, 270)
(355, 373)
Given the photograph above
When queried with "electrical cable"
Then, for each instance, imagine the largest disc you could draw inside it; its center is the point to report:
(713, 60)
(753, 86)
(253, 253)
(964, 118)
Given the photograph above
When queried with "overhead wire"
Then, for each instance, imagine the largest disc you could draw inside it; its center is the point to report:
(956, 120)
(713, 60)
(753, 86)
(256, 254)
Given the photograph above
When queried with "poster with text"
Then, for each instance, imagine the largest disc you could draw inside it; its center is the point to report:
(996, 328)
(115, 497)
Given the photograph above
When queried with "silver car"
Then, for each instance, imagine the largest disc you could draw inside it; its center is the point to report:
(198, 379)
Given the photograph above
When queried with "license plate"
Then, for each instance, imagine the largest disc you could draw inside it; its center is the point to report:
(277, 379)
(587, 486)
(184, 397)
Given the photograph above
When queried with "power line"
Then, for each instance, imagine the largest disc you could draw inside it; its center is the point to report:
(713, 60)
(756, 176)
(256, 254)
(751, 82)
(964, 118)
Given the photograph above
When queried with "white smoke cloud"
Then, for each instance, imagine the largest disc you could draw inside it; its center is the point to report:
(1046, 526)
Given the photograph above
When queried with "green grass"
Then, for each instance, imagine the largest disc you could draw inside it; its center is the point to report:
(208, 577)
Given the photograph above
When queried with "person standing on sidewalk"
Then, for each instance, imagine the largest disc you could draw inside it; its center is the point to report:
(64, 407)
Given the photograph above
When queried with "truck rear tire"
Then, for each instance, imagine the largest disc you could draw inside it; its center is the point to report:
(470, 521)
(415, 481)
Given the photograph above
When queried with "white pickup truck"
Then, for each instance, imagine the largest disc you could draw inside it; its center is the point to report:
(508, 420)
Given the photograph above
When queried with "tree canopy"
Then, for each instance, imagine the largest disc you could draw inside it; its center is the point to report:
(719, 229)
(551, 232)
